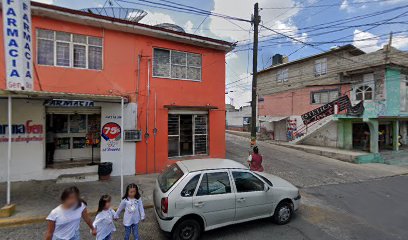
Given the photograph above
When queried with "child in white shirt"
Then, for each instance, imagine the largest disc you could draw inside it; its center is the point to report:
(134, 211)
(104, 219)
(64, 220)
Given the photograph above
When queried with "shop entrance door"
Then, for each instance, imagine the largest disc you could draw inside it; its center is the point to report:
(71, 131)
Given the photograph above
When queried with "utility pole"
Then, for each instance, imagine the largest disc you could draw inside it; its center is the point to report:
(256, 19)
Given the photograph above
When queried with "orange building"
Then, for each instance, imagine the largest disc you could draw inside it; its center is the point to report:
(172, 84)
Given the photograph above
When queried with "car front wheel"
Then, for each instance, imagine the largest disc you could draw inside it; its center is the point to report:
(283, 213)
(188, 229)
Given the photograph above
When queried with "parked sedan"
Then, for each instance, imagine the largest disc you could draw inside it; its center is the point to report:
(199, 195)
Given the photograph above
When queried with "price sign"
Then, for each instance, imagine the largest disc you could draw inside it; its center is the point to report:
(111, 131)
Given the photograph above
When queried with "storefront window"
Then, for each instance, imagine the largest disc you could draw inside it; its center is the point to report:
(60, 123)
(187, 135)
(79, 142)
(77, 123)
(63, 143)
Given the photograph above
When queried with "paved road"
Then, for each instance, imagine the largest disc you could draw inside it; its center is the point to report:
(341, 201)
(305, 169)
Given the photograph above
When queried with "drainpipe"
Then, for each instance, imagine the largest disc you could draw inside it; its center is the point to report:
(155, 129)
(139, 57)
(122, 155)
(147, 116)
(9, 152)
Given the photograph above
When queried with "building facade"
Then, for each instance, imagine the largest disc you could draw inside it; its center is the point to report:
(172, 85)
(373, 82)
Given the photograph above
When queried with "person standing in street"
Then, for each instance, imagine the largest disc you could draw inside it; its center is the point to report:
(50, 147)
(134, 211)
(104, 219)
(255, 160)
(64, 220)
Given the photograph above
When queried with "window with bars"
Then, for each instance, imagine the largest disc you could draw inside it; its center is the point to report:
(320, 67)
(282, 75)
(187, 135)
(324, 96)
(69, 50)
(176, 65)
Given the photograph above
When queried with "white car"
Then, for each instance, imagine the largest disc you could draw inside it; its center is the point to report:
(192, 196)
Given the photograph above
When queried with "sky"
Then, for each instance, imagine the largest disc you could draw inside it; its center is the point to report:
(297, 19)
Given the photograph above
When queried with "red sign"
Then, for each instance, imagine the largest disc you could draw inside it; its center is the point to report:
(111, 131)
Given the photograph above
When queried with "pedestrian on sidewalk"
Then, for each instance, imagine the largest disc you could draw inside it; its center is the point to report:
(64, 220)
(255, 160)
(104, 219)
(134, 211)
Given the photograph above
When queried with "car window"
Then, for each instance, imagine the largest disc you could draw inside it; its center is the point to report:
(247, 182)
(214, 183)
(265, 179)
(190, 187)
(169, 177)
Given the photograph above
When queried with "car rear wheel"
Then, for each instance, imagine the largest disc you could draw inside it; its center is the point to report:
(188, 229)
(283, 213)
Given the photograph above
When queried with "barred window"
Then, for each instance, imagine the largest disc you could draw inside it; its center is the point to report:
(282, 75)
(45, 39)
(69, 50)
(187, 135)
(320, 67)
(324, 96)
(176, 65)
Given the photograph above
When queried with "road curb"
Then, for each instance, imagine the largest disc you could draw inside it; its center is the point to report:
(39, 219)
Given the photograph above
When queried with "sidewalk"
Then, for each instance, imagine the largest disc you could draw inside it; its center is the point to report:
(35, 199)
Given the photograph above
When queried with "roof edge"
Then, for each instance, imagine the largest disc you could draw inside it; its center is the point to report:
(144, 29)
(349, 47)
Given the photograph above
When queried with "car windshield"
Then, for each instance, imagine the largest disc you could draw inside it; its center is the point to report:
(169, 177)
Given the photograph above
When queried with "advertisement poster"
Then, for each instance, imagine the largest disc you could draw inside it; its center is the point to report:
(111, 133)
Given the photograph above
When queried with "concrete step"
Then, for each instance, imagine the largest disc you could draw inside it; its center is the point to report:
(397, 162)
(79, 177)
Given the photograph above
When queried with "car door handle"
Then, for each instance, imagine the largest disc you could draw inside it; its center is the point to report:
(241, 200)
(199, 204)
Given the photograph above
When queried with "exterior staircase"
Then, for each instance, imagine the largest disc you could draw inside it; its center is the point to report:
(305, 131)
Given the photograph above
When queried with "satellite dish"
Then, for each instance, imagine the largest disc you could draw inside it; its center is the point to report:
(128, 14)
(170, 26)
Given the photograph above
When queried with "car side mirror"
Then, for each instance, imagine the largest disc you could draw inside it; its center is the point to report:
(266, 188)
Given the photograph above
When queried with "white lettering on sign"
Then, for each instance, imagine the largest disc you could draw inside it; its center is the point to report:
(18, 44)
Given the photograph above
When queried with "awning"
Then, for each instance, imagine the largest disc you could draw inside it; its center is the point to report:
(178, 107)
(61, 95)
(271, 118)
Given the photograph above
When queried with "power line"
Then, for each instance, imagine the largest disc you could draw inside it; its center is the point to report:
(182, 8)
(328, 5)
(338, 24)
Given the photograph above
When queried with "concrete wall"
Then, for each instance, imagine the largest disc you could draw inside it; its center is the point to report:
(295, 102)
(325, 136)
(235, 119)
(301, 74)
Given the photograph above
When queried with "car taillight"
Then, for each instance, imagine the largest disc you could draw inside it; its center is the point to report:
(165, 205)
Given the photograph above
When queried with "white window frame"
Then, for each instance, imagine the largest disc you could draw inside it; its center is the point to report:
(186, 65)
(56, 41)
(324, 91)
(368, 81)
(282, 75)
(323, 67)
(71, 49)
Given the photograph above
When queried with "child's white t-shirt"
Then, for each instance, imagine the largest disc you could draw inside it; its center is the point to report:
(134, 211)
(104, 224)
(67, 221)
